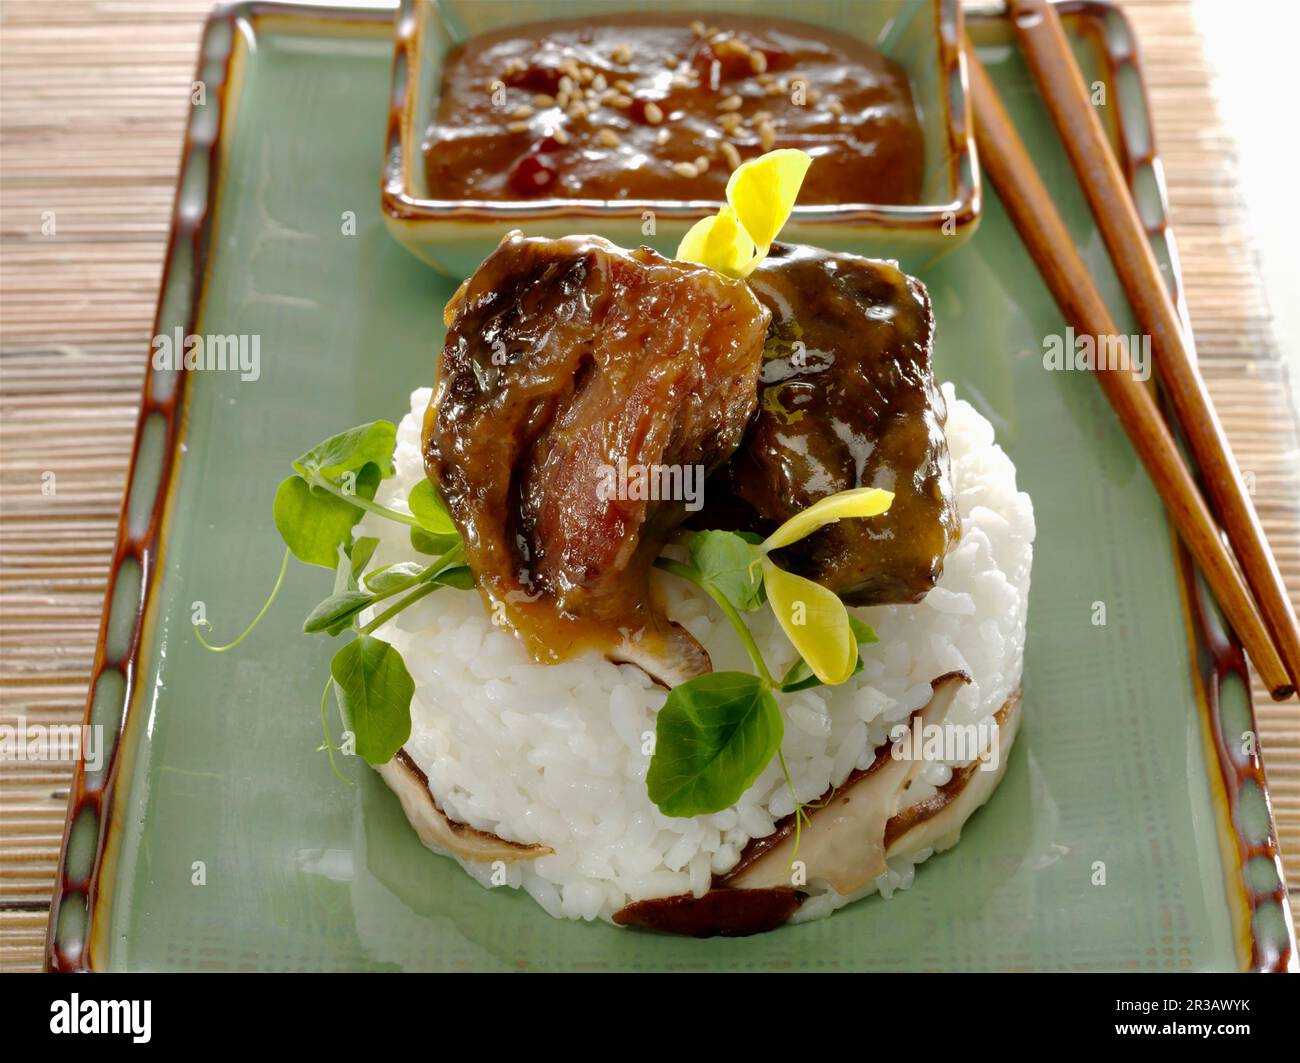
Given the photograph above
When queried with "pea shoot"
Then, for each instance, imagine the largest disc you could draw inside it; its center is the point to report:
(316, 511)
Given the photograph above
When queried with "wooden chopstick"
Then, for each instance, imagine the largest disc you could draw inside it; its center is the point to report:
(1050, 58)
(1004, 158)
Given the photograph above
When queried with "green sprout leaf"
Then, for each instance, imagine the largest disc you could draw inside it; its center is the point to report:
(714, 736)
(459, 576)
(426, 542)
(363, 549)
(393, 578)
(731, 564)
(351, 451)
(374, 691)
(428, 508)
(340, 610)
(313, 523)
(336, 612)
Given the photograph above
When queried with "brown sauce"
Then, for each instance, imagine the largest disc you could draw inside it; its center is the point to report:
(647, 107)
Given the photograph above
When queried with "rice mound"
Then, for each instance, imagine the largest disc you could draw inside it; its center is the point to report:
(557, 754)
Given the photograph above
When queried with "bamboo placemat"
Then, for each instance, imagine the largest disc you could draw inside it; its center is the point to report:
(93, 99)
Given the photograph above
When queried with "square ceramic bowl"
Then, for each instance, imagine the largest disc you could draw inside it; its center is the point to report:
(455, 235)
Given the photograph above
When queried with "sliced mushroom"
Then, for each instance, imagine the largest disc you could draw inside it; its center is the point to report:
(843, 842)
(936, 822)
(670, 658)
(435, 830)
(719, 913)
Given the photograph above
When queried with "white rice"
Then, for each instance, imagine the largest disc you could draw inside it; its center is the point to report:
(556, 755)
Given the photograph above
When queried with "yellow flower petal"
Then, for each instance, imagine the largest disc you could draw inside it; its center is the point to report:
(859, 502)
(762, 192)
(720, 243)
(815, 621)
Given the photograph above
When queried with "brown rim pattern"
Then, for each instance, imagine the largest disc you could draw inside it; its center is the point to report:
(135, 564)
(1253, 859)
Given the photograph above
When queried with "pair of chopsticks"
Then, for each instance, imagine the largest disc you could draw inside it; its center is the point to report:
(1248, 586)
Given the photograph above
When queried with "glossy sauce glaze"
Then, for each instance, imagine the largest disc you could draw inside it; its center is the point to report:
(646, 107)
(570, 364)
(847, 398)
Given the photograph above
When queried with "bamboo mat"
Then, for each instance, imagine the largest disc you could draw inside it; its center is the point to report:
(93, 98)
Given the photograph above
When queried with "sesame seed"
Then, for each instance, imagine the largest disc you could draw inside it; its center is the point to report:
(608, 138)
(653, 114)
(566, 85)
(542, 100)
(701, 164)
(767, 135)
(757, 62)
(731, 103)
(518, 127)
(586, 74)
(561, 137)
(775, 89)
(523, 111)
(621, 53)
(623, 85)
(697, 28)
(731, 121)
(835, 107)
(762, 116)
(730, 153)
(599, 83)
(731, 46)
(577, 110)
(661, 138)
(685, 169)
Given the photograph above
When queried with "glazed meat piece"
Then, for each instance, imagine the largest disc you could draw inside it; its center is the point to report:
(581, 392)
(847, 399)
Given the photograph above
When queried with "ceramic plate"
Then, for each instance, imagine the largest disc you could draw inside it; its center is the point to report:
(1131, 832)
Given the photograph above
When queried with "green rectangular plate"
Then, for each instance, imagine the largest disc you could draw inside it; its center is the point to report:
(1131, 832)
